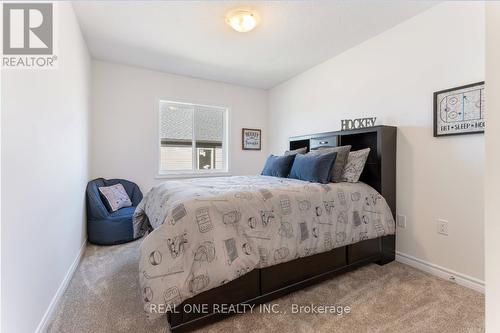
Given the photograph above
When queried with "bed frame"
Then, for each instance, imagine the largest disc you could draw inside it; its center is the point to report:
(264, 285)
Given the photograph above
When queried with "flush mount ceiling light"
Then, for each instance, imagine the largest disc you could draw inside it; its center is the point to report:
(242, 20)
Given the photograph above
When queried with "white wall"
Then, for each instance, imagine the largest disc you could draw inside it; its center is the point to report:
(393, 76)
(44, 174)
(492, 161)
(125, 120)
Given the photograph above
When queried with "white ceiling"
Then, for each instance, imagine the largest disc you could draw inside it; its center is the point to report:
(191, 37)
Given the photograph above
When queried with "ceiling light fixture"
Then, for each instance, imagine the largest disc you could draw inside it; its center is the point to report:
(242, 20)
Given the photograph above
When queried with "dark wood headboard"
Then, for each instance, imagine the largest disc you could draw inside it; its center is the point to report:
(380, 168)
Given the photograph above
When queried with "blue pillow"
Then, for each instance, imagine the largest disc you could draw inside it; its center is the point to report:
(312, 167)
(278, 166)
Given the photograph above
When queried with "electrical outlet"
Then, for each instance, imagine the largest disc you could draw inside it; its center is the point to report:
(401, 221)
(442, 227)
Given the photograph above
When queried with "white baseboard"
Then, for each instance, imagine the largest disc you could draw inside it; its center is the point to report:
(42, 327)
(444, 273)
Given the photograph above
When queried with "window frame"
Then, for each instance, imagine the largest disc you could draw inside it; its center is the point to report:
(194, 172)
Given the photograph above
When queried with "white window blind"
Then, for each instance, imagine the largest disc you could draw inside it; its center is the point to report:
(192, 138)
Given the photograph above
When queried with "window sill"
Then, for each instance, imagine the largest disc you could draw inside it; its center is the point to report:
(192, 175)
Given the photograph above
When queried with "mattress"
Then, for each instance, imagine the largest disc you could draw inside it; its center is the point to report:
(205, 232)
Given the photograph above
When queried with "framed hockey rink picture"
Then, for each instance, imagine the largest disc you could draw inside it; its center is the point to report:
(459, 110)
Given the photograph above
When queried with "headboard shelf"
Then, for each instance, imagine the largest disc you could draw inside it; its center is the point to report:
(348, 132)
(380, 169)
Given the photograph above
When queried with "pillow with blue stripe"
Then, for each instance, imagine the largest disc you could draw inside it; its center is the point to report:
(278, 166)
(313, 167)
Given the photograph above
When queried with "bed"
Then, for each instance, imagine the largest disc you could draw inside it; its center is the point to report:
(250, 239)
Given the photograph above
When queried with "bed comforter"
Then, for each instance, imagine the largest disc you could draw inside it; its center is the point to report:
(206, 232)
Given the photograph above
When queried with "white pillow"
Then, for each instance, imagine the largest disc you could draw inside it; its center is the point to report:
(302, 150)
(116, 196)
(355, 165)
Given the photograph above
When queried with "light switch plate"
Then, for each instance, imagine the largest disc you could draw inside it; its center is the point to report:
(401, 221)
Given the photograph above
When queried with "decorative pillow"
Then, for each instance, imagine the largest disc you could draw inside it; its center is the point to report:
(313, 167)
(340, 161)
(355, 165)
(116, 196)
(278, 166)
(296, 151)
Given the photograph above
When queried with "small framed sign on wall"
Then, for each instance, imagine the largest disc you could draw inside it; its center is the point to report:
(459, 110)
(251, 139)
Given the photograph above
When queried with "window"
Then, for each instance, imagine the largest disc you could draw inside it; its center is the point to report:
(192, 139)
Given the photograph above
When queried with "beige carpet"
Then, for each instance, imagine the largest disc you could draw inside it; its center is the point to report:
(104, 297)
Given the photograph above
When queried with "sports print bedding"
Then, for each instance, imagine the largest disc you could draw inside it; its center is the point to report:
(206, 232)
